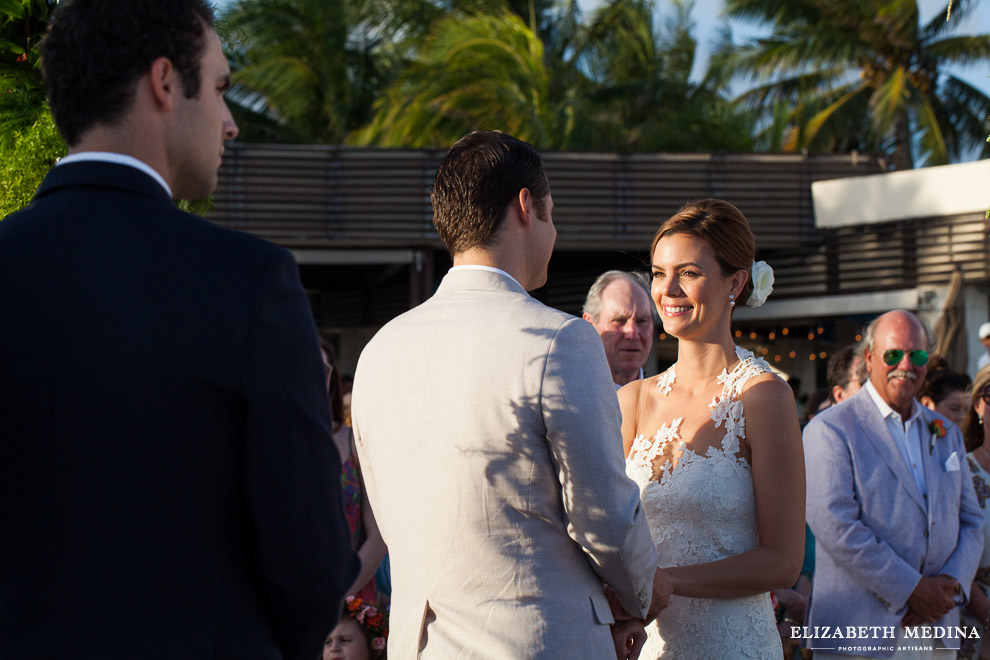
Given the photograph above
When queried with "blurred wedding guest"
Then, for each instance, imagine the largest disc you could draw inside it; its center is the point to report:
(618, 306)
(360, 634)
(817, 401)
(488, 430)
(163, 481)
(891, 504)
(977, 436)
(946, 391)
(365, 537)
(984, 334)
(843, 373)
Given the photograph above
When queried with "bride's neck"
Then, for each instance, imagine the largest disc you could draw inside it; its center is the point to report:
(699, 362)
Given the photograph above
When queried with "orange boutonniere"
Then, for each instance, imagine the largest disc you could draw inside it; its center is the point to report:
(937, 429)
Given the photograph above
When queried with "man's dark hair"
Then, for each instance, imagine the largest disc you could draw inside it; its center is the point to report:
(475, 183)
(96, 50)
(838, 368)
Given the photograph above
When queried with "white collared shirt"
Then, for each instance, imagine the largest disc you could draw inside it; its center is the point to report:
(490, 269)
(909, 435)
(119, 159)
(640, 377)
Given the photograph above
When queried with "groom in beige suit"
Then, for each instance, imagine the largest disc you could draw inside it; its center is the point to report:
(488, 432)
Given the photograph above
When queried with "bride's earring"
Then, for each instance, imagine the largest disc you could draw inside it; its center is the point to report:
(732, 300)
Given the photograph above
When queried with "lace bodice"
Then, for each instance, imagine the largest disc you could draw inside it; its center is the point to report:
(700, 508)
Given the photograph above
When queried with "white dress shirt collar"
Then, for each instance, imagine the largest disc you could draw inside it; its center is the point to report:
(884, 407)
(908, 434)
(490, 269)
(119, 159)
(640, 377)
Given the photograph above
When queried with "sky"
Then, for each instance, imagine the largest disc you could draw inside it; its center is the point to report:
(707, 16)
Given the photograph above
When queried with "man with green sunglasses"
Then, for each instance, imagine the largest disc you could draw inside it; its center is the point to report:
(891, 504)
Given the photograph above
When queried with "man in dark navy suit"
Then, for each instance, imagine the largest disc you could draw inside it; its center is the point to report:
(168, 484)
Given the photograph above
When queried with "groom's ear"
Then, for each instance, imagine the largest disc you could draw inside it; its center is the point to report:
(526, 205)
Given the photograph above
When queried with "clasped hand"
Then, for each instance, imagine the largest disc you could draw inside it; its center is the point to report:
(629, 632)
(931, 599)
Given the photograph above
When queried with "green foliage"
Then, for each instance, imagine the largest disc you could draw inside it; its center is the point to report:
(477, 71)
(304, 70)
(640, 94)
(865, 74)
(29, 141)
(612, 82)
(29, 146)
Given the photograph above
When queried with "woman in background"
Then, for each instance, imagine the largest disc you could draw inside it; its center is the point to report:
(976, 435)
(945, 391)
(365, 537)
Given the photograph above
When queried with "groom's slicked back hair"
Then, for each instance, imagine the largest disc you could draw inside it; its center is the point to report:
(96, 50)
(477, 180)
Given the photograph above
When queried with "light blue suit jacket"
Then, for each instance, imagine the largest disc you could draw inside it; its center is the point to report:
(876, 535)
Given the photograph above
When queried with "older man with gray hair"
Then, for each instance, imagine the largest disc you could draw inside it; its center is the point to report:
(891, 503)
(619, 307)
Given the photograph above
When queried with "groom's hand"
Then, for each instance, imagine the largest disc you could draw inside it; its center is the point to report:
(628, 636)
(662, 591)
(619, 613)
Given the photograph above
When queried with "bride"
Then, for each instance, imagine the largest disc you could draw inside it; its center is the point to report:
(715, 447)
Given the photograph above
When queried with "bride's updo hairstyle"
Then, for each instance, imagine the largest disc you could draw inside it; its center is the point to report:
(726, 231)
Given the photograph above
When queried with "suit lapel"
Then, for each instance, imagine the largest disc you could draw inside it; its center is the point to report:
(885, 444)
(929, 461)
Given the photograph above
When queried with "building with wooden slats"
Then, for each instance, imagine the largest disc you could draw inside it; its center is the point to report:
(360, 224)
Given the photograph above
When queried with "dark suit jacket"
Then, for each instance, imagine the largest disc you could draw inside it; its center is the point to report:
(168, 483)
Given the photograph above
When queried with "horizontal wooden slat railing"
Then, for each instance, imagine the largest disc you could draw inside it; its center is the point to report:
(312, 197)
(321, 196)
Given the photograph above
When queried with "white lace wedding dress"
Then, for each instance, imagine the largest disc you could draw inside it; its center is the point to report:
(700, 511)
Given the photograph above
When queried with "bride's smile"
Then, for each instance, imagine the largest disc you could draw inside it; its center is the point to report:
(689, 288)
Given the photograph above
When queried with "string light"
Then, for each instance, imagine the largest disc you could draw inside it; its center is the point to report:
(738, 333)
(859, 337)
(821, 329)
(772, 335)
(785, 332)
(823, 355)
(752, 335)
(663, 335)
(776, 358)
(764, 350)
(792, 354)
(811, 336)
(812, 357)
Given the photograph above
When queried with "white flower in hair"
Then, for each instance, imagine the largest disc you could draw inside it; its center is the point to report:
(762, 276)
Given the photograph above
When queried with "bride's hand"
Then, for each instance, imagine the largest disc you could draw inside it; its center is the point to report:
(628, 637)
(662, 591)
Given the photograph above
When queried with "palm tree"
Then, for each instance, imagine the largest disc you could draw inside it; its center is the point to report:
(304, 70)
(609, 83)
(640, 93)
(866, 74)
(483, 70)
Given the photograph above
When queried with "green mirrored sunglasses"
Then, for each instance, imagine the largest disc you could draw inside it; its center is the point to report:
(893, 356)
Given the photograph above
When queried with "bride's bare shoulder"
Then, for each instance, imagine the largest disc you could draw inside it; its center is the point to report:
(629, 395)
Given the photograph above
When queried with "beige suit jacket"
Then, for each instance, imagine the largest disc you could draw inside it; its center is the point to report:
(489, 437)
